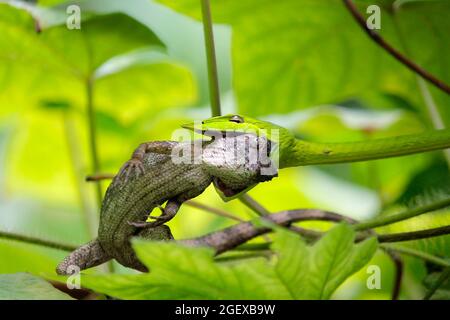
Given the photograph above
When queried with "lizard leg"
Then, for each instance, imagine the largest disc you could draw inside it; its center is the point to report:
(135, 166)
(168, 212)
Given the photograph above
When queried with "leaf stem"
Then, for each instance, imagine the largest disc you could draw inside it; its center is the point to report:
(213, 77)
(385, 220)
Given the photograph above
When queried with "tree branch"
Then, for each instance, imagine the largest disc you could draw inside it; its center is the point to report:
(414, 235)
(237, 235)
(231, 237)
(394, 52)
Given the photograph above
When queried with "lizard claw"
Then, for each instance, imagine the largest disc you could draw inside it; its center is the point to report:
(133, 166)
(160, 208)
(147, 224)
(138, 224)
(159, 220)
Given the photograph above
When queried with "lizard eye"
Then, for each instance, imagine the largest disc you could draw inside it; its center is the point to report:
(237, 119)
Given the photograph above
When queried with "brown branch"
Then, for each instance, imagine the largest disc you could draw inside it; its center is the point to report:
(231, 237)
(375, 36)
(383, 238)
(399, 267)
(414, 235)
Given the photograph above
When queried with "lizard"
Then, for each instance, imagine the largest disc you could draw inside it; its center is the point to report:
(294, 152)
(152, 177)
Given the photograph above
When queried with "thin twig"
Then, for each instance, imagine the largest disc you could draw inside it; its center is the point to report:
(398, 263)
(36, 241)
(414, 235)
(90, 215)
(392, 51)
(253, 205)
(416, 253)
(250, 255)
(92, 130)
(213, 77)
(210, 209)
(93, 135)
(385, 220)
(99, 176)
(430, 104)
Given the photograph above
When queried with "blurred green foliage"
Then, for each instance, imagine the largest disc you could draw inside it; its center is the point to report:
(303, 64)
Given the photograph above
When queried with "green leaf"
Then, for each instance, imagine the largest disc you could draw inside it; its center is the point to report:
(443, 289)
(79, 50)
(91, 46)
(319, 270)
(136, 80)
(39, 63)
(292, 266)
(180, 272)
(297, 272)
(298, 53)
(24, 286)
(432, 179)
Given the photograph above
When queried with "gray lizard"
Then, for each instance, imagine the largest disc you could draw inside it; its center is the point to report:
(155, 175)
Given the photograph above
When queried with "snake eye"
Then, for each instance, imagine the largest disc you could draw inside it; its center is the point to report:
(237, 119)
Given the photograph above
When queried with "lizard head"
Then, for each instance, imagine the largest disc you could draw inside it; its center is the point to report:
(232, 124)
(238, 126)
(281, 139)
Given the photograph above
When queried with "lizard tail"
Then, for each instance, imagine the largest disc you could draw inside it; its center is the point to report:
(88, 255)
